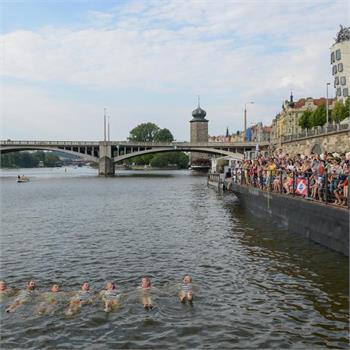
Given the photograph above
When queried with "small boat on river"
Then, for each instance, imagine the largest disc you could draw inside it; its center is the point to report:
(22, 178)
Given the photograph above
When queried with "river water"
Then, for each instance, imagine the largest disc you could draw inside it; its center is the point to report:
(256, 286)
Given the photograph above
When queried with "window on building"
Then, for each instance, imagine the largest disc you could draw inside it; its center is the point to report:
(338, 54)
(336, 81)
(332, 57)
(340, 67)
(345, 92)
(334, 69)
(342, 80)
(339, 92)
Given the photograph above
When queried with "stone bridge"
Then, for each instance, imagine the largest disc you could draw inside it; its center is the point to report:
(107, 153)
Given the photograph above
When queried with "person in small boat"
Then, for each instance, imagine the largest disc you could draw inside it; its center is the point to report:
(79, 299)
(110, 296)
(23, 296)
(50, 299)
(186, 289)
(145, 289)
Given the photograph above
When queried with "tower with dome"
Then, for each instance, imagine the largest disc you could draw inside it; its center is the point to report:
(199, 134)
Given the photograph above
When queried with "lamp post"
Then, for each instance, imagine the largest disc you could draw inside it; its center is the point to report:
(327, 109)
(109, 136)
(104, 125)
(245, 119)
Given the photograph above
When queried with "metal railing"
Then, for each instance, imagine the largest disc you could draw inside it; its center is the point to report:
(48, 143)
(316, 131)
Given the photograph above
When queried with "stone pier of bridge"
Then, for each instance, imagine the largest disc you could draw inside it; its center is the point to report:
(106, 165)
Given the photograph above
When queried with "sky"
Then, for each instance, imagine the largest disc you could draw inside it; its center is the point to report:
(63, 62)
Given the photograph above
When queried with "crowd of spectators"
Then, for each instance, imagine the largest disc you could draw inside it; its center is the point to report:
(321, 177)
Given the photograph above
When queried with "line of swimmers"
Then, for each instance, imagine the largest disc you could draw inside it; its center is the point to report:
(110, 295)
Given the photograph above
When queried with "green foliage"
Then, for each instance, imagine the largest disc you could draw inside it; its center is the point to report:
(144, 132)
(347, 110)
(141, 160)
(28, 159)
(319, 116)
(163, 135)
(161, 160)
(305, 119)
(150, 132)
(339, 112)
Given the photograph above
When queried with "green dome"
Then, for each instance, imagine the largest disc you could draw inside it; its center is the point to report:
(199, 113)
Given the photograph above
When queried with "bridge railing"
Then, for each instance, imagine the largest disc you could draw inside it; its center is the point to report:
(130, 143)
(48, 143)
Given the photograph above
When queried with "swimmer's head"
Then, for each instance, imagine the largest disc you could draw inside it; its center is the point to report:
(3, 286)
(187, 279)
(55, 288)
(31, 285)
(110, 285)
(85, 287)
(145, 282)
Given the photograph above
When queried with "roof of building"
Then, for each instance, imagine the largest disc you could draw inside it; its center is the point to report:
(316, 101)
(343, 34)
(199, 113)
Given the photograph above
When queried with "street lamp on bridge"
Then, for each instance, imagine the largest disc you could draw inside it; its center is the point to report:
(104, 125)
(245, 119)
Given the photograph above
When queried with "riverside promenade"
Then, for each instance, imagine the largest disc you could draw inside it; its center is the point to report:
(307, 195)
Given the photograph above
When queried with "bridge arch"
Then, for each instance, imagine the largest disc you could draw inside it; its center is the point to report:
(178, 149)
(10, 149)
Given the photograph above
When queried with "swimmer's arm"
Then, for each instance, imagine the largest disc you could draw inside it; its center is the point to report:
(14, 306)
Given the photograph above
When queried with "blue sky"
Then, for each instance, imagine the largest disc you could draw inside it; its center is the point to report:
(64, 61)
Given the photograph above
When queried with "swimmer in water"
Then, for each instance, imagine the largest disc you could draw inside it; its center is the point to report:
(186, 289)
(5, 291)
(79, 299)
(23, 297)
(50, 299)
(3, 287)
(145, 290)
(110, 296)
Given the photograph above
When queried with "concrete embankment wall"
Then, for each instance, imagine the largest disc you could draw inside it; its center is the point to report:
(326, 225)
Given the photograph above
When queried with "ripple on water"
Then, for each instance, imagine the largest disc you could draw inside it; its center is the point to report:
(255, 286)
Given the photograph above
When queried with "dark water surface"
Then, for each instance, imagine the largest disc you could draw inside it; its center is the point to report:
(257, 286)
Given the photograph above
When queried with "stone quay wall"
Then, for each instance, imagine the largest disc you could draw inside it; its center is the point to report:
(338, 141)
(323, 224)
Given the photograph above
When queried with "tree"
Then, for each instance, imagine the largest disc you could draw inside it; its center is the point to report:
(162, 160)
(163, 135)
(347, 110)
(305, 120)
(339, 112)
(144, 132)
(319, 116)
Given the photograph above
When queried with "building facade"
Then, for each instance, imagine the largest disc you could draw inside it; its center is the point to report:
(260, 133)
(340, 61)
(286, 123)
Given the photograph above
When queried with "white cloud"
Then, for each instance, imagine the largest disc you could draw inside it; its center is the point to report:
(228, 51)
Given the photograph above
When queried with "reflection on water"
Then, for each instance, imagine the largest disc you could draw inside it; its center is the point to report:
(257, 286)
